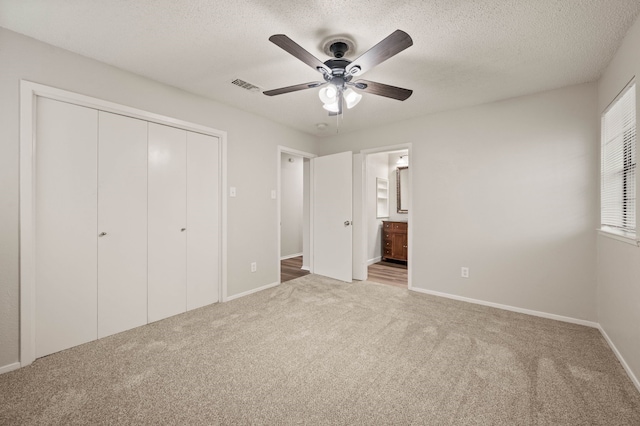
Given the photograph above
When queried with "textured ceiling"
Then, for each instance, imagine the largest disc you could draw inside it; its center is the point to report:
(465, 52)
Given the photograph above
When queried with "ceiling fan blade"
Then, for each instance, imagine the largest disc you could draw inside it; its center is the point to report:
(295, 88)
(299, 52)
(385, 90)
(395, 43)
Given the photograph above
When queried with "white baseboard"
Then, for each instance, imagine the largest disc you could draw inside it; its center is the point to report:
(509, 308)
(9, 367)
(615, 350)
(305, 268)
(374, 260)
(255, 290)
(290, 256)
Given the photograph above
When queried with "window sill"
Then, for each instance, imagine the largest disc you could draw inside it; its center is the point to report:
(629, 239)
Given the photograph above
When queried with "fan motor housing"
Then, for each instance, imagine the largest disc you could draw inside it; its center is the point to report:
(337, 64)
(338, 74)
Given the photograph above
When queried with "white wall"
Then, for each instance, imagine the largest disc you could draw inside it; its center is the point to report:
(508, 189)
(618, 262)
(252, 161)
(377, 167)
(291, 185)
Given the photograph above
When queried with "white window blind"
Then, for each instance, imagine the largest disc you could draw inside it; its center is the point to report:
(618, 174)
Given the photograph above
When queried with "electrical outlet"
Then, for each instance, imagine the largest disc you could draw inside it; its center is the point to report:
(274, 194)
(254, 266)
(232, 191)
(464, 272)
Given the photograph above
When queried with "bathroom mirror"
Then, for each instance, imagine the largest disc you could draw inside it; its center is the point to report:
(402, 189)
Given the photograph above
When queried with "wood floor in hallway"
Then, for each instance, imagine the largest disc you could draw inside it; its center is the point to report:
(384, 272)
(290, 269)
(391, 273)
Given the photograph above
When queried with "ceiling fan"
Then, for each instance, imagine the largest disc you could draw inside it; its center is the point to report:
(339, 72)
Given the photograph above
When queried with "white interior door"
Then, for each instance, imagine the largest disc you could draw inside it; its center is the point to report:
(203, 214)
(332, 216)
(66, 223)
(122, 218)
(167, 222)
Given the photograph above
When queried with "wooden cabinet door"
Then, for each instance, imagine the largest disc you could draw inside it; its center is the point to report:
(402, 253)
(396, 245)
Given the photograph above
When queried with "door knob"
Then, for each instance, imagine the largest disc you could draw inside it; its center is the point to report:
(347, 223)
(102, 234)
(183, 229)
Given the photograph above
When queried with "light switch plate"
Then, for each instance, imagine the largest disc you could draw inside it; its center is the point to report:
(273, 194)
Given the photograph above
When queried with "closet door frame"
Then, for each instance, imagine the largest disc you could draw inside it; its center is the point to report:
(29, 91)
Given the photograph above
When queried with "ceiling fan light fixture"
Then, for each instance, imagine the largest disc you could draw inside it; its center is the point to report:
(332, 107)
(351, 97)
(328, 95)
(339, 72)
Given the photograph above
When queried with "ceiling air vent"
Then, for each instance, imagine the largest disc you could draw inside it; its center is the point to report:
(247, 86)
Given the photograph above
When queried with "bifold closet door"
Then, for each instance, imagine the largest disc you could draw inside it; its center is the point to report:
(66, 225)
(203, 239)
(122, 223)
(167, 221)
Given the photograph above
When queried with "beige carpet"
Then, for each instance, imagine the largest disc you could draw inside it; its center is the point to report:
(316, 351)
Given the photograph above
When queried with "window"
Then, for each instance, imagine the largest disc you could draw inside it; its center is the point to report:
(618, 174)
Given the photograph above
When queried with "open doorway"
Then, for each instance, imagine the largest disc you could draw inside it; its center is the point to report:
(294, 189)
(327, 213)
(327, 189)
(386, 216)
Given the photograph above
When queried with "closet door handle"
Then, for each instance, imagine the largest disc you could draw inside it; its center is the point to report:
(183, 229)
(102, 234)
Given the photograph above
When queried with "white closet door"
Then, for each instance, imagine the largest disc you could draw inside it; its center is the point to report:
(202, 220)
(66, 226)
(122, 217)
(167, 197)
